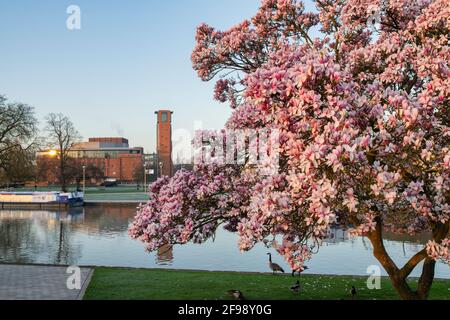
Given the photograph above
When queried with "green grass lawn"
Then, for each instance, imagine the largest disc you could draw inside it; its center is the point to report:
(89, 190)
(112, 190)
(126, 196)
(101, 194)
(157, 284)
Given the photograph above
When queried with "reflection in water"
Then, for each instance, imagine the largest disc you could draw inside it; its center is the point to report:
(33, 236)
(338, 235)
(98, 236)
(165, 255)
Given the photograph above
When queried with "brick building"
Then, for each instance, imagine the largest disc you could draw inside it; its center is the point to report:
(111, 155)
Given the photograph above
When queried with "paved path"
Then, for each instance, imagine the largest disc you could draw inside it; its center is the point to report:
(26, 282)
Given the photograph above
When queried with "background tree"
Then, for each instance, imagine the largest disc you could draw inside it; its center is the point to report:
(43, 166)
(62, 136)
(18, 166)
(363, 117)
(138, 175)
(95, 172)
(18, 135)
(75, 172)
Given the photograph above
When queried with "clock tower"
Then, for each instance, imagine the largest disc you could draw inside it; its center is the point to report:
(164, 142)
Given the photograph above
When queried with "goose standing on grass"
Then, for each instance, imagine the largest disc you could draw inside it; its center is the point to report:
(274, 266)
(236, 294)
(353, 292)
(300, 270)
(296, 287)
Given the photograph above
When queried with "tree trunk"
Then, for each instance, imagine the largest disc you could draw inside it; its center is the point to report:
(399, 276)
(440, 232)
(426, 279)
(398, 282)
(63, 175)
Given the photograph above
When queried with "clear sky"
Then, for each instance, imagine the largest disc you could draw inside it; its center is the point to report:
(130, 58)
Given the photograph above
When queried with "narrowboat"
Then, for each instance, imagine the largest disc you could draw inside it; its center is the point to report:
(53, 199)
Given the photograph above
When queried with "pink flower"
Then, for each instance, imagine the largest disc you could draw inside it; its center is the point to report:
(350, 200)
(390, 196)
(361, 113)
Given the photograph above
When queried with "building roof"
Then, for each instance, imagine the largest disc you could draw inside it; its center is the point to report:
(104, 143)
(101, 144)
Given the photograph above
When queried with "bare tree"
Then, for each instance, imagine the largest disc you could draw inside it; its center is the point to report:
(74, 172)
(95, 172)
(18, 129)
(138, 174)
(62, 136)
(18, 166)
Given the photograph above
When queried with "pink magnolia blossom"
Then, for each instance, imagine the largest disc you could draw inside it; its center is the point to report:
(439, 251)
(364, 130)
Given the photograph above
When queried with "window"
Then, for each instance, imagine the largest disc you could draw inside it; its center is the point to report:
(164, 117)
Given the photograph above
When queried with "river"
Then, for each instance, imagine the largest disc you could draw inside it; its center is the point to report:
(98, 236)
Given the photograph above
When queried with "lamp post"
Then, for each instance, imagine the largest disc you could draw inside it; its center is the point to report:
(160, 169)
(84, 179)
(145, 178)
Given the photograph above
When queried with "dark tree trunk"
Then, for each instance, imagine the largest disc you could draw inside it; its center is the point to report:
(426, 279)
(440, 232)
(63, 175)
(399, 283)
(399, 276)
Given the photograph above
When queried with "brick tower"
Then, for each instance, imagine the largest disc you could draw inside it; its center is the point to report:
(164, 142)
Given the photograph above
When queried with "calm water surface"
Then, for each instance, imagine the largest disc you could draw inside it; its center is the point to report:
(98, 236)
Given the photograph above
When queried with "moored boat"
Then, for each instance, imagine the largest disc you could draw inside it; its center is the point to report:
(41, 199)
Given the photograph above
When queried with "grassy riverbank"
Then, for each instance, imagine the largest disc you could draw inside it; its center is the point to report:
(116, 194)
(126, 196)
(101, 194)
(156, 284)
(89, 190)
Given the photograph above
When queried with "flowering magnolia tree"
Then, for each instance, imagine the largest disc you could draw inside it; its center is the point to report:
(362, 110)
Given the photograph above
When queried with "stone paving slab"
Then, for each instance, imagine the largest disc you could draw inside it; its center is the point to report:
(27, 282)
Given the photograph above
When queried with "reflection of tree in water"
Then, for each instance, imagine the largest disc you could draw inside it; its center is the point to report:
(107, 220)
(16, 237)
(38, 236)
(46, 239)
(413, 243)
(65, 250)
(110, 221)
(165, 255)
(418, 240)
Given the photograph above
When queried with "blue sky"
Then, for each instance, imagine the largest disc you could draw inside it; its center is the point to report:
(129, 59)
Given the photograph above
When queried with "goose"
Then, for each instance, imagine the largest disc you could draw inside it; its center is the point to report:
(236, 294)
(274, 266)
(296, 287)
(353, 292)
(299, 270)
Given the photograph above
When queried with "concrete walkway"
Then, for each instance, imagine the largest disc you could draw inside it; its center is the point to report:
(26, 282)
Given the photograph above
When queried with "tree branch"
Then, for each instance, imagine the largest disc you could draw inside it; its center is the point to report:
(412, 263)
